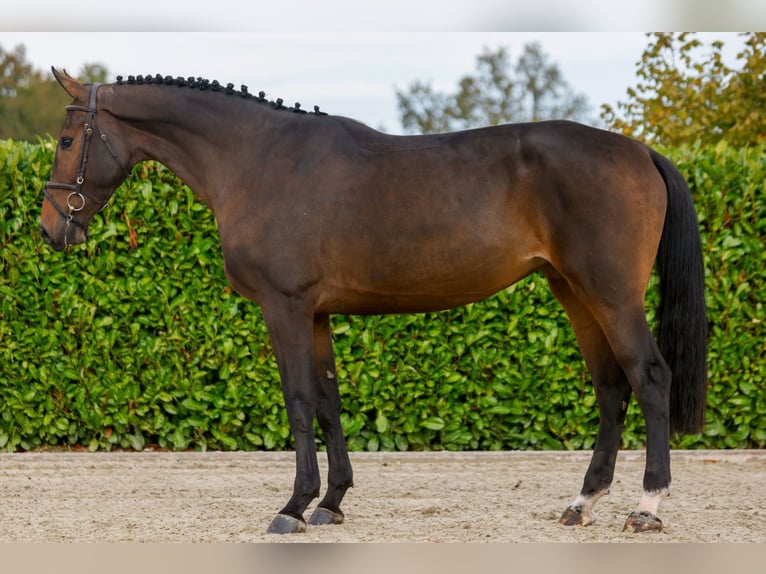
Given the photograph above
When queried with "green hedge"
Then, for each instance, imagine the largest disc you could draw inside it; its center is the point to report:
(136, 339)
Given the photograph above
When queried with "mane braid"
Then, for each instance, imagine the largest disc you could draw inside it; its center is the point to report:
(203, 84)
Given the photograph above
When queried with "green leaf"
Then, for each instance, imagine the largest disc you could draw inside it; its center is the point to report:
(136, 441)
(381, 423)
(433, 423)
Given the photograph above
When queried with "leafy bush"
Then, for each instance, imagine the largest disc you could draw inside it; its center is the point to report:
(136, 338)
(728, 186)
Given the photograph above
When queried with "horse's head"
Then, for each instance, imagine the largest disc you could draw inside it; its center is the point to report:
(88, 167)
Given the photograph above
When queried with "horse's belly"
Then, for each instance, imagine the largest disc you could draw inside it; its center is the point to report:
(420, 292)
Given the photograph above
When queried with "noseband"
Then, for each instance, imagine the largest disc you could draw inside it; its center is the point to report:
(76, 199)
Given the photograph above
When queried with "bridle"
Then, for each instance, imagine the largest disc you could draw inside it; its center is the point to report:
(76, 199)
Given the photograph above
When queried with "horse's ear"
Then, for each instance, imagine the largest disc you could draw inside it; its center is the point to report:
(72, 85)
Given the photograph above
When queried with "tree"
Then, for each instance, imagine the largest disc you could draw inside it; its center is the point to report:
(546, 91)
(94, 73)
(15, 72)
(32, 104)
(686, 93)
(533, 89)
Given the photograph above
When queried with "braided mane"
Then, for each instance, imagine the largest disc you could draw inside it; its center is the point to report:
(202, 84)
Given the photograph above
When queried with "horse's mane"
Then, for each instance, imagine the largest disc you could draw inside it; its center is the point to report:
(203, 84)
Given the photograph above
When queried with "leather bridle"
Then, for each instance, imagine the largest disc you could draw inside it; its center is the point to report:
(76, 199)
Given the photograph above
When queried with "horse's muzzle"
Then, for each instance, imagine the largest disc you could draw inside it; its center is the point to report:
(49, 240)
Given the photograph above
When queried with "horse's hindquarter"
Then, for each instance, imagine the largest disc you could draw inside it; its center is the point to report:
(603, 203)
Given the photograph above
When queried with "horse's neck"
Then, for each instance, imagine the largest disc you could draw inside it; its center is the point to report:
(187, 131)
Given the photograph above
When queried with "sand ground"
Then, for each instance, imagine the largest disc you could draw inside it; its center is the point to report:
(717, 496)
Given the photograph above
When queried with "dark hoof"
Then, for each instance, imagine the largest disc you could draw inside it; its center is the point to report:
(573, 516)
(642, 522)
(286, 524)
(322, 516)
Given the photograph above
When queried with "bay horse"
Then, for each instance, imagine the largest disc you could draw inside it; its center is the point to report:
(319, 214)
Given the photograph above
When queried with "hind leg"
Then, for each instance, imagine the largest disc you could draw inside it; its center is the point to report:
(623, 323)
(612, 393)
(650, 379)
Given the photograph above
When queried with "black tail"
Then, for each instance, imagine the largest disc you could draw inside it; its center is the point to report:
(682, 322)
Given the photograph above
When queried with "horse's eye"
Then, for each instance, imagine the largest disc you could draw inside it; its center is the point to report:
(66, 142)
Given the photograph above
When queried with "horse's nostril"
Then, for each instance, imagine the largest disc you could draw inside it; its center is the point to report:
(47, 238)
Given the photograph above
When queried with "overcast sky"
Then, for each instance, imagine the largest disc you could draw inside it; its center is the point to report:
(349, 56)
(352, 74)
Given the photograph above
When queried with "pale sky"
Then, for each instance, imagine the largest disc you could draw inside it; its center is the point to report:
(349, 56)
(346, 73)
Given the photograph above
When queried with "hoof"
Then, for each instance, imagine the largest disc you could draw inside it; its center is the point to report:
(286, 524)
(573, 516)
(322, 516)
(642, 522)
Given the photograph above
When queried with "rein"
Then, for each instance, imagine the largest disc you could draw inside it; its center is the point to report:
(76, 199)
